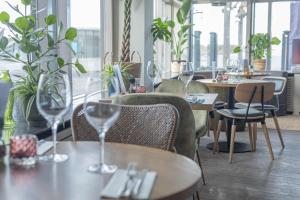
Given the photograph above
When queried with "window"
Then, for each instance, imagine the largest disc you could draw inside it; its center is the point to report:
(85, 16)
(221, 27)
(162, 54)
(4, 65)
(282, 22)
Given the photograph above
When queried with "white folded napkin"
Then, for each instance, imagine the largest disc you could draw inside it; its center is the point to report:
(117, 184)
(43, 147)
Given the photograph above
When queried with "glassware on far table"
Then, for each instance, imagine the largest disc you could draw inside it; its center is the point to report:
(153, 74)
(53, 102)
(186, 74)
(101, 114)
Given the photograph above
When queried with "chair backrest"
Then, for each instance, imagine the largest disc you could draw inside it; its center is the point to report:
(177, 87)
(186, 134)
(280, 83)
(254, 92)
(149, 125)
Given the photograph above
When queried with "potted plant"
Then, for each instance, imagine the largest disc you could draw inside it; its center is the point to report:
(260, 49)
(24, 45)
(182, 36)
(161, 30)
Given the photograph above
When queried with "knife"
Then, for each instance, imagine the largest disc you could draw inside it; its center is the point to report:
(139, 183)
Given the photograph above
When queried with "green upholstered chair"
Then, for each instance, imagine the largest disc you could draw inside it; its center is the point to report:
(186, 135)
(177, 87)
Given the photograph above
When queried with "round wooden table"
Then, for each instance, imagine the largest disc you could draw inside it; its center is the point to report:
(239, 147)
(177, 176)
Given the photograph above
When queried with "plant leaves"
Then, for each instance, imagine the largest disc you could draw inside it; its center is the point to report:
(275, 41)
(237, 50)
(80, 67)
(26, 2)
(50, 20)
(22, 23)
(60, 62)
(50, 40)
(5, 76)
(4, 17)
(3, 42)
(71, 34)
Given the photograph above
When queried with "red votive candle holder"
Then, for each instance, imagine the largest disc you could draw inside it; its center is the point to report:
(23, 149)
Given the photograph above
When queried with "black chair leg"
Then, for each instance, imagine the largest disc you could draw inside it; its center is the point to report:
(199, 162)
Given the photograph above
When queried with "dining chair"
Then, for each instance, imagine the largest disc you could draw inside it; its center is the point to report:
(249, 93)
(147, 125)
(280, 83)
(186, 135)
(176, 87)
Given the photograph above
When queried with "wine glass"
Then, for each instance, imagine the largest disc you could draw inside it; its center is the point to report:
(152, 73)
(186, 74)
(53, 102)
(101, 114)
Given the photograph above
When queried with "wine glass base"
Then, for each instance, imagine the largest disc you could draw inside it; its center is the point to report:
(102, 169)
(55, 158)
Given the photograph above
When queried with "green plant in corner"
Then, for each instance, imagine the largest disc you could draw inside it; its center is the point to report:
(109, 72)
(23, 45)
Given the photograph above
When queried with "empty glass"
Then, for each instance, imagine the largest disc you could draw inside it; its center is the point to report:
(53, 102)
(153, 73)
(101, 114)
(186, 74)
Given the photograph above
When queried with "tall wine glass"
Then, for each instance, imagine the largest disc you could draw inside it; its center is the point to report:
(101, 114)
(53, 102)
(153, 73)
(186, 74)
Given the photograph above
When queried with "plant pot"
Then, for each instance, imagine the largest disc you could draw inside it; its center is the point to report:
(34, 119)
(175, 66)
(259, 64)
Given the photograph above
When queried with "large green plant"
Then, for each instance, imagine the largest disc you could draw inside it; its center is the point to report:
(182, 36)
(162, 29)
(26, 41)
(260, 45)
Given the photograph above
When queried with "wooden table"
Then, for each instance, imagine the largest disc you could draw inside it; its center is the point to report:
(239, 147)
(178, 176)
(250, 75)
(208, 104)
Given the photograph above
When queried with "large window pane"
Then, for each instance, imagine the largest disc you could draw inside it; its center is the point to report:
(4, 65)
(209, 19)
(280, 23)
(85, 16)
(261, 18)
(228, 23)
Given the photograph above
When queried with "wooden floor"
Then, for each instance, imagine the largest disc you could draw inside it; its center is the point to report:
(252, 176)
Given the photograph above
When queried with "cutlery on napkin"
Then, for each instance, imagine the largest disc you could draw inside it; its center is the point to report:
(140, 189)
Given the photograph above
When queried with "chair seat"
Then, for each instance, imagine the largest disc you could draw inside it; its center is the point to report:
(256, 106)
(240, 113)
(219, 105)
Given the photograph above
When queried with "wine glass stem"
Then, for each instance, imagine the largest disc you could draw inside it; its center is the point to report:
(54, 134)
(101, 149)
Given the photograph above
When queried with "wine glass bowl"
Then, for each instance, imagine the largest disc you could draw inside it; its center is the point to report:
(53, 102)
(101, 114)
(186, 74)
